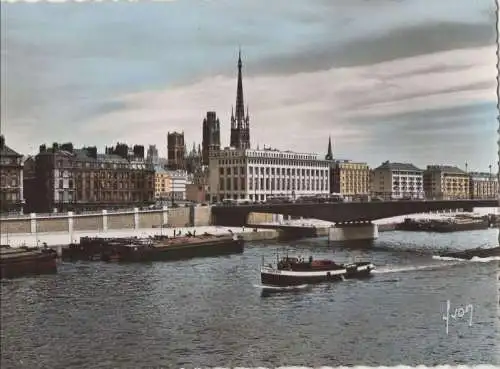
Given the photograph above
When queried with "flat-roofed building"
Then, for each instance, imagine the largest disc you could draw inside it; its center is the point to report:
(483, 185)
(163, 183)
(446, 182)
(350, 178)
(256, 174)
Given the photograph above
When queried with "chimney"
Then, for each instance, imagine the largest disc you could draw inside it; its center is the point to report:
(2, 141)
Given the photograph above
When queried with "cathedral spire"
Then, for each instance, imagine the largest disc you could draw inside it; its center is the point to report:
(240, 106)
(329, 155)
(240, 125)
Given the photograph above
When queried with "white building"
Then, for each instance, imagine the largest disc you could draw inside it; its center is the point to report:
(257, 174)
(179, 179)
(397, 181)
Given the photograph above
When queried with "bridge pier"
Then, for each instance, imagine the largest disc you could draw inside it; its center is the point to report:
(353, 231)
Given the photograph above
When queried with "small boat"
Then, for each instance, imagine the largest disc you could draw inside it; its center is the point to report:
(294, 271)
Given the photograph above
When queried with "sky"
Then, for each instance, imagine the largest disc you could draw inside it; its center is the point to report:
(400, 80)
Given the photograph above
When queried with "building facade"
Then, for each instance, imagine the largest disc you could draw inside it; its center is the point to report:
(68, 179)
(483, 185)
(445, 182)
(176, 150)
(163, 183)
(240, 124)
(211, 136)
(11, 179)
(179, 180)
(351, 179)
(395, 181)
(196, 193)
(258, 174)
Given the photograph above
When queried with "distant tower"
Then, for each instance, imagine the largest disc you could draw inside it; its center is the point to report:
(240, 125)
(211, 135)
(152, 155)
(176, 150)
(329, 154)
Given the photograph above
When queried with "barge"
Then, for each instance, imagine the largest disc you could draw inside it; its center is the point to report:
(23, 261)
(157, 248)
(293, 271)
(445, 225)
(469, 254)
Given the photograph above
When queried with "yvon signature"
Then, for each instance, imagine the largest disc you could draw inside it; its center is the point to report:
(459, 313)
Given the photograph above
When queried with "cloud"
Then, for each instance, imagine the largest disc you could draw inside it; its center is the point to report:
(404, 42)
(348, 68)
(355, 105)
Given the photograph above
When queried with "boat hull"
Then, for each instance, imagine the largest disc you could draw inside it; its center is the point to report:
(274, 277)
(469, 254)
(182, 252)
(28, 263)
(443, 227)
(282, 278)
(130, 250)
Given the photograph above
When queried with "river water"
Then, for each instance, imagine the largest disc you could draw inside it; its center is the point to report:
(210, 312)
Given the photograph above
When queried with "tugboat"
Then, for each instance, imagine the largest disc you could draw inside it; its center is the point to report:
(295, 271)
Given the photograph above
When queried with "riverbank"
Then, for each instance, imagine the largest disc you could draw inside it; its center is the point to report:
(64, 238)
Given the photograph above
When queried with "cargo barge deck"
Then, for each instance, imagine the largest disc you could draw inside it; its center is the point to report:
(157, 248)
(23, 261)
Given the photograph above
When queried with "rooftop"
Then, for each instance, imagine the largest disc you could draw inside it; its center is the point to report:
(408, 167)
(445, 169)
(6, 150)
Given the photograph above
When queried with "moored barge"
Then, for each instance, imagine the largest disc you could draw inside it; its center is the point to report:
(23, 261)
(157, 248)
(444, 225)
(471, 253)
(293, 271)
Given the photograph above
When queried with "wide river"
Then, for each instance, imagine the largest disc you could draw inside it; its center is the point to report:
(210, 312)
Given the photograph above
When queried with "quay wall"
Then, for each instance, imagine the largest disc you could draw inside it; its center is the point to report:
(106, 220)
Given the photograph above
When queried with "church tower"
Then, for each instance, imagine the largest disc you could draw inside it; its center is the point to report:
(329, 154)
(240, 124)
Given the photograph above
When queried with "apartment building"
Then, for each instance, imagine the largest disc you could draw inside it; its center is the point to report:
(445, 182)
(394, 181)
(11, 179)
(349, 178)
(483, 185)
(66, 178)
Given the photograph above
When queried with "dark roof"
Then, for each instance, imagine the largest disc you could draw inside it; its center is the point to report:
(7, 151)
(399, 166)
(445, 169)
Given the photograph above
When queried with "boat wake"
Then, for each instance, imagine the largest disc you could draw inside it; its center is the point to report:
(473, 259)
(281, 288)
(410, 268)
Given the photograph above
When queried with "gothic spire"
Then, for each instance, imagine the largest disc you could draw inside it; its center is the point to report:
(240, 107)
(329, 155)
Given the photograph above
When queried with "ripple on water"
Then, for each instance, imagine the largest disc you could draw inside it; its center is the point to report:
(207, 312)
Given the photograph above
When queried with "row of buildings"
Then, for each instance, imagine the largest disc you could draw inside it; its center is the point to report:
(258, 174)
(65, 178)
